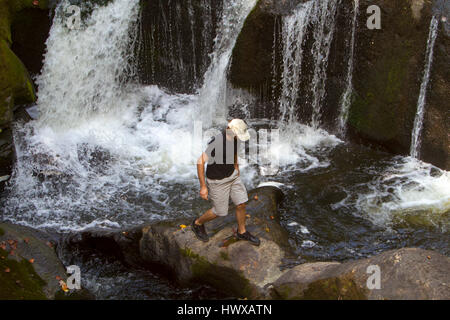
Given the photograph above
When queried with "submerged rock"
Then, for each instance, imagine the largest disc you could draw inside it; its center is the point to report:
(408, 273)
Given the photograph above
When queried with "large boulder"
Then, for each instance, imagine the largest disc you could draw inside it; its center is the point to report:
(231, 266)
(408, 273)
(29, 266)
(234, 267)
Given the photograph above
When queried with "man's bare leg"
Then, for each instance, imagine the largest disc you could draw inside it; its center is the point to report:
(207, 216)
(240, 217)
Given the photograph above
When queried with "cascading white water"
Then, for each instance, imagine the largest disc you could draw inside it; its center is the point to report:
(321, 16)
(212, 95)
(294, 34)
(347, 95)
(295, 138)
(407, 192)
(83, 68)
(418, 121)
(324, 14)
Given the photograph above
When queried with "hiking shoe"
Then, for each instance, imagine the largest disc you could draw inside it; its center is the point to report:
(248, 237)
(200, 232)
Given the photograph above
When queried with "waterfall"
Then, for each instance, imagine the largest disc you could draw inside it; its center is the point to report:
(321, 17)
(84, 70)
(346, 97)
(176, 39)
(325, 20)
(418, 121)
(103, 141)
(212, 96)
(294, 34)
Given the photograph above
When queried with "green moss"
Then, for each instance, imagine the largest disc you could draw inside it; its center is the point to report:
(374, 112)
(224, 255)
(285, 292)
(225, 279)
(15, 83)
(343, 288)
(21, 282)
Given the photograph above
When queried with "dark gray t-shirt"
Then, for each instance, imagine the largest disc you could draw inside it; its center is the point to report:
(218, 167)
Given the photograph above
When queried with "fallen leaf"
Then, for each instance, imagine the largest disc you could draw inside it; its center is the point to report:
(125, 233)
(2, 257)
(35, 2)
(247, 215)
(31, 260)
(26, 240)
(7, 270)
(3, 246)
(255, 197)
(63, 286)
(182, 226)
(272, 217)
(428, 257)
(267, 229)
(58, 278)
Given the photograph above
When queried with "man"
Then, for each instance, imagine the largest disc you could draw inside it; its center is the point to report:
(223, 180)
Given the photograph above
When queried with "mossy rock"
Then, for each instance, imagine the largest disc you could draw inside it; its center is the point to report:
(32, 260)
(408, 273)
(19, 280)
(16, 86)
(388, 67)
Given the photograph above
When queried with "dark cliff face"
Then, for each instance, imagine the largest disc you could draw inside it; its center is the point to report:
(176, 38)
(388, 73)
(388, 68)
(436, 130)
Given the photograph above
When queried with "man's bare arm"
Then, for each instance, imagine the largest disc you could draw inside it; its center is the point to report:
(201, 175)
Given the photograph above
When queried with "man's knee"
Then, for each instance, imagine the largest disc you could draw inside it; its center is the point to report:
(241, 206)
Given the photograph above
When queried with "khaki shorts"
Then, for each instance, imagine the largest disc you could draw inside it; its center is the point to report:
(220, 191)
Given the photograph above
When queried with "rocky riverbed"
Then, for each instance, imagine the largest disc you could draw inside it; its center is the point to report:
(233, 267)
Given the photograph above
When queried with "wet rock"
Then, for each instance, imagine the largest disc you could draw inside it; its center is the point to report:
(435, 135)
(388, 68)
(231, 266)
(234, 267)
(122, 245)
(32, 262)
(29, 33)
(6, 156)
(408, 273)
(16, 86)
(387, 77)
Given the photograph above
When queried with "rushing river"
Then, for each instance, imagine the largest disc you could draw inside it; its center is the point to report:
(106, 152)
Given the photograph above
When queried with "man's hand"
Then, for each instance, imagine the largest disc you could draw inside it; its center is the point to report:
(204, 193)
